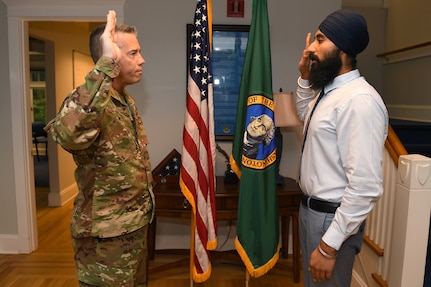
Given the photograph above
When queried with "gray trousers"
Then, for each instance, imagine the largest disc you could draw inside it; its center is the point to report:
(312, 226)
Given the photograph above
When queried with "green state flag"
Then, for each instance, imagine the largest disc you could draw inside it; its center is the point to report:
(254, 153)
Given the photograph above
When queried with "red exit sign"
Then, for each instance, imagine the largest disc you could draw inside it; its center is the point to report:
(235, 8)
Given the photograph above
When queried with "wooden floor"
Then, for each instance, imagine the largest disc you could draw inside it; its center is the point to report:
(52, 265)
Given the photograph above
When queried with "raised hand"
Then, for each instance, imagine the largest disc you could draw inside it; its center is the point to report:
(304, 63)
(109, 39)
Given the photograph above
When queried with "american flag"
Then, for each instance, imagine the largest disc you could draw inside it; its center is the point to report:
(171, 168)
(197, 176)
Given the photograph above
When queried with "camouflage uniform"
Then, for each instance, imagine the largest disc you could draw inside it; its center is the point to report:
(101, 128)
(114, 261)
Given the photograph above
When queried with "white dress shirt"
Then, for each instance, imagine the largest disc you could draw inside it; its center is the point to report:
(343, 151)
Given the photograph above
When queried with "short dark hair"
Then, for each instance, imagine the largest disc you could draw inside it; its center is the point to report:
(96, 44)
(352, 62)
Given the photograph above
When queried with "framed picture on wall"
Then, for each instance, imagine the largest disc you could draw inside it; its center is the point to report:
(229, 45)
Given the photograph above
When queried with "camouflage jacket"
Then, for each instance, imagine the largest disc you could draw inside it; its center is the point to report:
(101, 128)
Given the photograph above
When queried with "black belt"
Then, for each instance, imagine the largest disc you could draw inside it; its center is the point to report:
(319, 205)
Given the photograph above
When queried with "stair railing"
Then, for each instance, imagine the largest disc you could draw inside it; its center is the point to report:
(387, 229)
(378, 228)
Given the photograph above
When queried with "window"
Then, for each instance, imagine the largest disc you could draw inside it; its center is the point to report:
(229, 45)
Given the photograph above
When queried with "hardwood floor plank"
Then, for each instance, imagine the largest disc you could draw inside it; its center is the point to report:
(52, 265)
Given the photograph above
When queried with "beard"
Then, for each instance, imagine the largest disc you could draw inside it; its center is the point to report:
(324, 71)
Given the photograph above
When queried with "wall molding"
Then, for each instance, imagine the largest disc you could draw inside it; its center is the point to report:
(357, 280)
(65, 9)
(412, 54)
(410, 112)
(364, 3)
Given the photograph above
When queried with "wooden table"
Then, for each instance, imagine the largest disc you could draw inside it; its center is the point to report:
(170, 202)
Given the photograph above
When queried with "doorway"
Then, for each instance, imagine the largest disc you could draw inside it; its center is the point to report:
(38, 101)
(52, 46)
(18, 14)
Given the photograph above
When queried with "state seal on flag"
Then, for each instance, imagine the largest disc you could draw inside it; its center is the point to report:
(258, 141)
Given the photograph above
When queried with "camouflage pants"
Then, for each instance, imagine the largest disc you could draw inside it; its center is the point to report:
(108, 262)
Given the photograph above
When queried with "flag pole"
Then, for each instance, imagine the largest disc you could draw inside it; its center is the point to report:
(192, 247)
(197, 173)
(247, 277)
(255, 153)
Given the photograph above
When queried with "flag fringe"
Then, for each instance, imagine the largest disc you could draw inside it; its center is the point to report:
(212, 245)
(233, 165)
(201, 277)
(262, 270)
(188, 194)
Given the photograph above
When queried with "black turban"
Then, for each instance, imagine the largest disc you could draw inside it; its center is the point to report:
(347, 30)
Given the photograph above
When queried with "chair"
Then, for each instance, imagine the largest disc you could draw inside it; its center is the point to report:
(39, 137)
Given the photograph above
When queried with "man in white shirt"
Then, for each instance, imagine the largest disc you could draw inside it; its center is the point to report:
(341, 164)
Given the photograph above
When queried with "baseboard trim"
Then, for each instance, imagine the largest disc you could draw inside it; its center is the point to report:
(13, 244)
(60, 198)
(357, 280)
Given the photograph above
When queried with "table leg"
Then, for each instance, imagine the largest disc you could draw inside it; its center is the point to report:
(151, 239)
(296, 249)
(285, 236)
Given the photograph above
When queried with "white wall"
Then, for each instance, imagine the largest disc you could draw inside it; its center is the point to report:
(161, 94)
(406, 91)
(7, 194)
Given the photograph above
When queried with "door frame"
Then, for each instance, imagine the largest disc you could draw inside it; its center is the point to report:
(19, 13)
